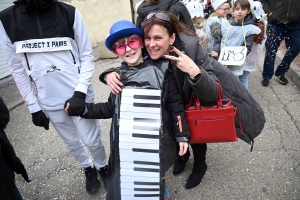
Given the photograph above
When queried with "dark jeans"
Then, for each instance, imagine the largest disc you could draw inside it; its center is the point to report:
(275, 34)
(18, 194)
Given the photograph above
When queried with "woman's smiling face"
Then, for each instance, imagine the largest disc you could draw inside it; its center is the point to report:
(157, 41)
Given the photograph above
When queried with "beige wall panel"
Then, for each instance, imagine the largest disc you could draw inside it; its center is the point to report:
(99, 15)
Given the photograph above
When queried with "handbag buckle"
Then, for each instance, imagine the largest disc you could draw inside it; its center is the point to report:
(195, 121)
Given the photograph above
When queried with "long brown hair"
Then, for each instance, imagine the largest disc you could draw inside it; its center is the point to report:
(174, 26)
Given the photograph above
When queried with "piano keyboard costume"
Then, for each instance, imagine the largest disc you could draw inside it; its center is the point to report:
(148, 120)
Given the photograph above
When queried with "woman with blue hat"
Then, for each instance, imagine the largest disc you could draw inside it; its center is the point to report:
(143, 76)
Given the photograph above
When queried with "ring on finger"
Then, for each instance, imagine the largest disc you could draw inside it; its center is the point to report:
(177, 61)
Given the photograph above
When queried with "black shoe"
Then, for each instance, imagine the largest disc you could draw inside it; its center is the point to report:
(282, 80)
(180, 163)
(103, 173)
(265, 82)
(195, 178)
(92, 182)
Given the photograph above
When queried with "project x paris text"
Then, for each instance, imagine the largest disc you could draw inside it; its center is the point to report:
(44, 44)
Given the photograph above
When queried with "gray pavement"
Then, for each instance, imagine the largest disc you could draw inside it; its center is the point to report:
(271, 171)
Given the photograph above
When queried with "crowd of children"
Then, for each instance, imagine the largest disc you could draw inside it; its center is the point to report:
(232, 23)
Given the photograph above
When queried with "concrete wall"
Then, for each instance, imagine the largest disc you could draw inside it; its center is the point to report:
(98, 16)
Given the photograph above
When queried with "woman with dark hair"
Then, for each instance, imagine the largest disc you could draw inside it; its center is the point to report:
(174, 6)
(164, 35)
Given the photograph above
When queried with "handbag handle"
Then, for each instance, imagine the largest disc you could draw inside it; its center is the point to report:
(195, 101)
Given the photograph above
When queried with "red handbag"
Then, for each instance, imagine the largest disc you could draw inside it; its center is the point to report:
(211, 124)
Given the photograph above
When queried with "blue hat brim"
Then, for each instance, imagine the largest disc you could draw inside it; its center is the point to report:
(120, 34)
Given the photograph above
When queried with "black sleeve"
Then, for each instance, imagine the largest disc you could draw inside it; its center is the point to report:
(205, 87)
(4, 114)
(249, 42)
(176, 110)
(100, 110)
(215, 29)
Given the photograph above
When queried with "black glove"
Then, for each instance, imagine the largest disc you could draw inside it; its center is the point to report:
(77, 104)
(39, 118)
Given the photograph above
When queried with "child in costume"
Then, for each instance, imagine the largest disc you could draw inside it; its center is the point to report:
(126, 41)
(213, 27)
(240, 32)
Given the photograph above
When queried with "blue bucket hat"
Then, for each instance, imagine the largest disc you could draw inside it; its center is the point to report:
(121, 29)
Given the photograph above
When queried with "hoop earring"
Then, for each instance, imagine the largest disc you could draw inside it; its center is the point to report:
(171, 48)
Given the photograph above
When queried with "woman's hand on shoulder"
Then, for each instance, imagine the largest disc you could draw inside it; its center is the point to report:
(113, 82)
(184, 63)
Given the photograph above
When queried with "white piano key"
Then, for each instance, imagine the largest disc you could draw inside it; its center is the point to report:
(132, 92)
(129, 157)
(130, 146)
(129, 138)
(132, 115)
(142, 174)
(130, 165)
(131, 108)
(129, 131)
(125, 185)
(132, 197)
(131, 100)
(131, 179)
(152, 157)
(128, 192)
(131, 123)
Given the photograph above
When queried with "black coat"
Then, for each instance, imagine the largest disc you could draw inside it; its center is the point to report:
(283, 11)
(250, 114)
(9, 162)
(149, 75)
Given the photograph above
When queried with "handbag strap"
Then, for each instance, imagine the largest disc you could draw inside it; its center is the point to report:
(220, 94)
(195, 101)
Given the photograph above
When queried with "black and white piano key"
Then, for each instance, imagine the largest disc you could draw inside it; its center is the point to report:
(144, 92)
(131, 146)
(131, 185)
(138, 139)
(147, 192)
(139, 116)
(132, 197)
(138, 156)
(130, 165)
(140, 172)
(136, 99)
(139, 124)
(129, 131)
(140, 108)
(131, 157)
(150, 181)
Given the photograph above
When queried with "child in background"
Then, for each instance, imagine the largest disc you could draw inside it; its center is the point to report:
(126, 41)
(214, 24)
(240, 32)
(195, 9)
(253, 57)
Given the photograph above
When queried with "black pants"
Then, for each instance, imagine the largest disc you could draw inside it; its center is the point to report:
(199, 151)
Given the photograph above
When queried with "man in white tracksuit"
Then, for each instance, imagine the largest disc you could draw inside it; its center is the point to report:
(47, 47)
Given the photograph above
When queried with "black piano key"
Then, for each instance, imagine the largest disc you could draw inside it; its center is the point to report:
(145, 183)
(146, 120)
(145, 150)
(146, 128)
(146, 195)
(145, 169)
(145, 136)
(146, 97)
(147, 189)
(147, 105)
(145, 163)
